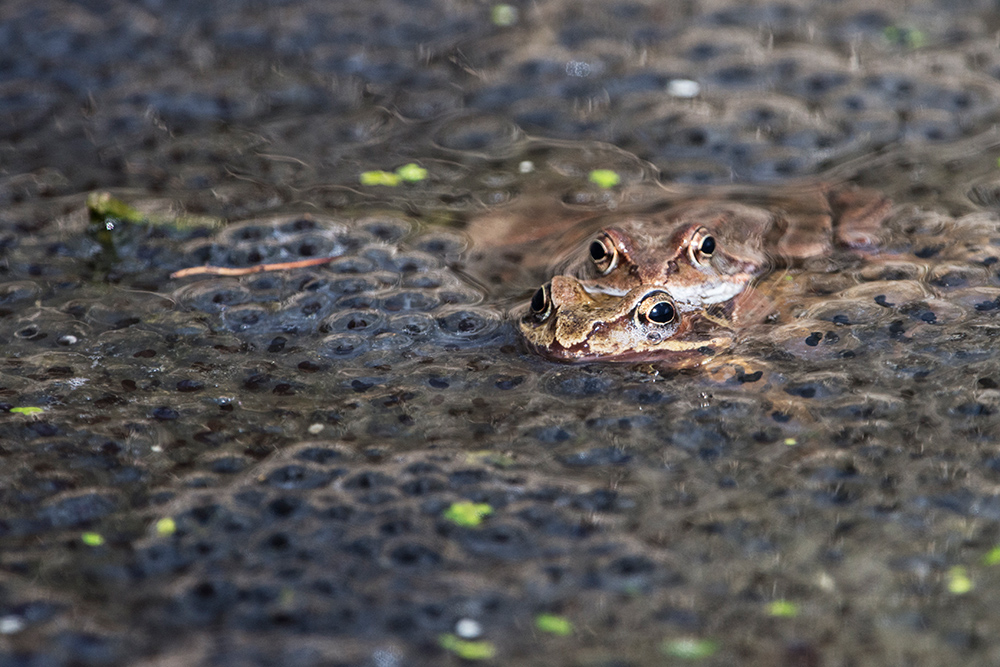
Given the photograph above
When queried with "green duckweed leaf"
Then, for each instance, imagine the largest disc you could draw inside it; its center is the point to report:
(380, 178)
(468, 514)
(604, 178)
(468, 650)
(556, 625)
(411, 173)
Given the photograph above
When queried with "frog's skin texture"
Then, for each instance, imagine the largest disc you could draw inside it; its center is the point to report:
(704, 253)
(566, 322)
(707, 252)
(694, 262)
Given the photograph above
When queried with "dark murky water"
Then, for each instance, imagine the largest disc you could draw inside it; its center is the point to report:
(264, 469)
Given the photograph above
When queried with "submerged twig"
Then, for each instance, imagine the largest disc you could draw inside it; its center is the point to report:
(247, 270)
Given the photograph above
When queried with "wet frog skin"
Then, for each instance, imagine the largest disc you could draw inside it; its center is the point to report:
(694, 262)
(568, 322)
(706, 252)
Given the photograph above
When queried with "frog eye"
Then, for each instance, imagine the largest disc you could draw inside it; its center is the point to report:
(604, 253)
(657, 308)
(702, 246)
(541, 304)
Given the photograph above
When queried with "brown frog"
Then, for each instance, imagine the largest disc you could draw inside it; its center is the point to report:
(569, 322)
(696, 260)
(707, 251)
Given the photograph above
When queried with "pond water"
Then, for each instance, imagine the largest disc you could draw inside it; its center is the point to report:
(361, 462)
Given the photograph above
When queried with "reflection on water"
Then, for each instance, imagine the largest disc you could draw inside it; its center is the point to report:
(329, 416)
(442, 284)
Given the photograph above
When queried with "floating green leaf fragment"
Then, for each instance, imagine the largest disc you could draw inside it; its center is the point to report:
(791, 441)
(992, 557)
(783, 609)
(411, 173)
(27, 410)
(556, 625)
(604, 178)
(908, 37)
(379, 178)
(92, 539)
(959, 582)
(107, 211)
(689, 648)
(466, 513)
(469, 650)
(103, 205)
(166, 526)
(503, 15)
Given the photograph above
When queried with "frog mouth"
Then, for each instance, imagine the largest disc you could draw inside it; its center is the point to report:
(693, 297)
(676, 353)
(710, 294)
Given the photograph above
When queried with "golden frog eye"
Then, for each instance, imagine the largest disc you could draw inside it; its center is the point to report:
(702, 246)
(604, 253)
(657, 308)
(541, 304)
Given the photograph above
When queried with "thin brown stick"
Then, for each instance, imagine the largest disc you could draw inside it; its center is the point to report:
(259, 268)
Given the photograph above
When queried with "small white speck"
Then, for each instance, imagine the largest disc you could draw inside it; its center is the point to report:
(578, 68)
(156, 448)
(68, 339)
(683, 88)
(467, 628)
(315, 429)
(385, 658)
(526, 167)
(76, 383)
(10, 625)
